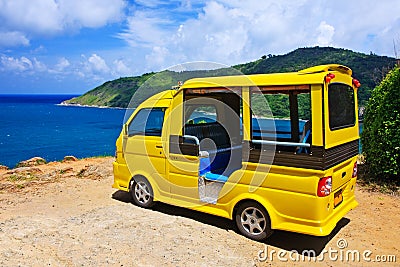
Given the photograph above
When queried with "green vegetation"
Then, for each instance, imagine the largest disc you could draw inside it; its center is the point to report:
(369, 69)
(380, 137)
(22, 177)
(279, 106)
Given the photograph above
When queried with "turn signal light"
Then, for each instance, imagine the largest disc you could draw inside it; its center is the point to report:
(355, 170)
(356, 83)
(329, 77)
(324, 186)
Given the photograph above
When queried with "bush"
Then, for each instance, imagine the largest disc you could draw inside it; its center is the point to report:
(380, 138)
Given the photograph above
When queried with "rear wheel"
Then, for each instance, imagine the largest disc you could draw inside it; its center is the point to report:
(253, 221)
(142, 192)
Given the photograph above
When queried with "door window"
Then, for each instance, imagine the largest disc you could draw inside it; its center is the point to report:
(148, 121)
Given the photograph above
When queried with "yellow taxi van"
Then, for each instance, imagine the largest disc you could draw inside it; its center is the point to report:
(215, 145)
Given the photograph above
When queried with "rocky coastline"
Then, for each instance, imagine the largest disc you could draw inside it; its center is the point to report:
(66, 104)
(37, 171)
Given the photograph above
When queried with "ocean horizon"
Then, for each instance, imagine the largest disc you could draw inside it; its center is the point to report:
(36, 125)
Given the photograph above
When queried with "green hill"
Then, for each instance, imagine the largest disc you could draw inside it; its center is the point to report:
(368, 69)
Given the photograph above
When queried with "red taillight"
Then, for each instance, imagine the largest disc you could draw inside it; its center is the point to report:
(356, 83)
(355, 170)
(324, 186)
(329, 77)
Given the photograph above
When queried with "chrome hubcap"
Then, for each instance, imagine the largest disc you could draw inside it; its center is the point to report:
(253, 221)
(142, 192)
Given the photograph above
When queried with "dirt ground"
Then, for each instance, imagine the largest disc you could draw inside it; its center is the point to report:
(67, 214)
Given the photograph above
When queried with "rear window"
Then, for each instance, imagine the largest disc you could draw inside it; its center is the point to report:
(341, 106)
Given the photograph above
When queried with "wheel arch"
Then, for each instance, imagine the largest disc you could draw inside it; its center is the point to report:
(261, 201)
(250, 221)
(153, 184)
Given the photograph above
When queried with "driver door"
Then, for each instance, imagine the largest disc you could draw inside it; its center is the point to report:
(183, 157)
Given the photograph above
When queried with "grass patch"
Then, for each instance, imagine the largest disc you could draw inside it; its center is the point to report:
(375, 184)
(20, 186)
(19, 177)
(102, 156)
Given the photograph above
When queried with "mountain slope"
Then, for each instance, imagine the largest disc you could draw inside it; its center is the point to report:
(369, 69)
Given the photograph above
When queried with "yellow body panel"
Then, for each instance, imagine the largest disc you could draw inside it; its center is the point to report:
(287, 193)
(317, 121)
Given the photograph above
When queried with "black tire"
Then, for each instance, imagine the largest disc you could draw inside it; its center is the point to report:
(253, 221)
(142, 192)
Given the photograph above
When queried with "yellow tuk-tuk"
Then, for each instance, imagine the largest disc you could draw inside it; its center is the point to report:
(215, 145)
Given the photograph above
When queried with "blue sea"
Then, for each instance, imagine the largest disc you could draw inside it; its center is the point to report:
(34, 125)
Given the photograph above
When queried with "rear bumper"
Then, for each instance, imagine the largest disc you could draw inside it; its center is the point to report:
(323, 228)
(328, 222)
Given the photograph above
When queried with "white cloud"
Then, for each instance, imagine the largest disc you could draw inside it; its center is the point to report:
(223, 31)
(16, 64)
(48, 17)
(22, 64)
(145, 29)
(39, 66)
(41, 16)
(233, 31)
(62, 64)
(121, 69)
(158, 57)
(97, 64)
(92, 69)
(325, 34)
(91, 13)
(13, 38)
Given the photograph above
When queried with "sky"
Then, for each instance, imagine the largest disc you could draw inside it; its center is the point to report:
(72, 46)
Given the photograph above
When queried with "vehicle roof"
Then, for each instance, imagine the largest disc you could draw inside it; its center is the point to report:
(159, 99)
(313, 75)
(167, 94)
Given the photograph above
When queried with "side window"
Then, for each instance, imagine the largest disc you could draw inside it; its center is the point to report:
(262, 126)
(147, 122)
(272, 120)
(341, 106)
(199, 114)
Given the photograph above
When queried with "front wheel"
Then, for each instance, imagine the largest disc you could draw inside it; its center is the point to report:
(253, 221)
(142, 192)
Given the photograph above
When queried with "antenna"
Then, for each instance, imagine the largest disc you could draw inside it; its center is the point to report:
(395, 53)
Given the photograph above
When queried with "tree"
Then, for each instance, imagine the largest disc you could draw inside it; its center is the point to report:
(380, 137)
